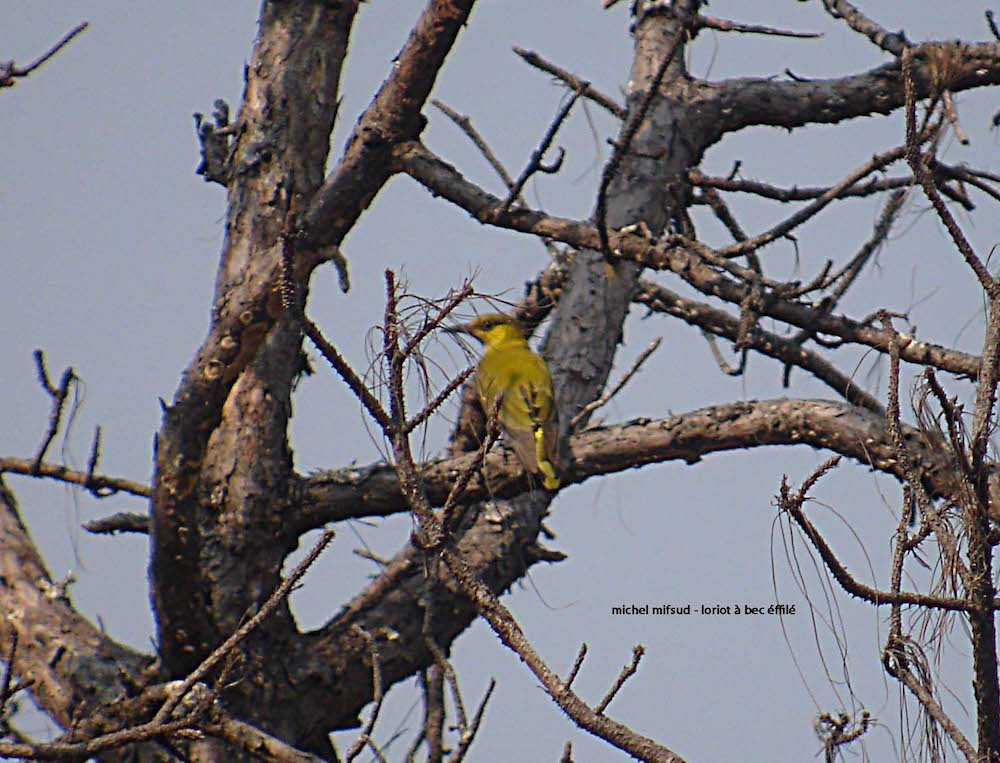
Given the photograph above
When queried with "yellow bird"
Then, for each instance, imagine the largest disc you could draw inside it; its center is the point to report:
(511, 369)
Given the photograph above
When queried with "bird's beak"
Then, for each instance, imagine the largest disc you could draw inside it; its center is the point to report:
(457, 329)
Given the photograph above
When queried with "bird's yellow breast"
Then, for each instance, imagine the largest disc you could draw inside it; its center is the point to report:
(521, 376)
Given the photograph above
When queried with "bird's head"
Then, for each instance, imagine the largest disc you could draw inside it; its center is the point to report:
(493, 329)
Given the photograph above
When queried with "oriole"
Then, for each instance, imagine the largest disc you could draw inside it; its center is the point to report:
(511, 369)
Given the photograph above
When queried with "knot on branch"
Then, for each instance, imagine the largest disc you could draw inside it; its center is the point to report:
(216, 139)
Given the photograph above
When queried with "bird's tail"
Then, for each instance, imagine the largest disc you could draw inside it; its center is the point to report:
(542, 458)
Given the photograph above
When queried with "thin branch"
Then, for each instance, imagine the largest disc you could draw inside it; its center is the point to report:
(122, 522)
(95, 457)
(923, 175)
(625, 378)
(720, 359)
(377, 696)
(589, 91)
(434, 713)
(58, 395)
(626, 673)
(538, 155)
(83, 750)
(439, 399)
(793, 506)
(876, 163)
(456, 298)
(720, 323)
(465, 125)
(991, 22)
(795, 193)
(10, 72)
(895, 663)
(102, 483)
(257, 743)
(724, 25)
(272, 603)
(469, 734)
(577, 664)
(291, 300)
(894, 427)
(891, 42)
(448, 673)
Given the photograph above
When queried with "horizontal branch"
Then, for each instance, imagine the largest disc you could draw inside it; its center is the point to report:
(100, 483)
(442, 179)
(839, 427)
(745, 102)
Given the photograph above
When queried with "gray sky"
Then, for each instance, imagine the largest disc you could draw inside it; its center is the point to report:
(110, 244)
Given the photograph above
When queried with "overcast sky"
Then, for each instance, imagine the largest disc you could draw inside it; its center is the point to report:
(110, 243)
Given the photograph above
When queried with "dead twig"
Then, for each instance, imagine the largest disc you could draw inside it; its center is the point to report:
(924, 177)
(626, 673)
(792, 504)
(468, 734)
(103, 484)
(724, 25)
(122, 522)
(365, 737)
(783, 228)
(720, 359)
(464, 123)
(434, 714)
(11, 72)
(535, 163)
(221, 651)
(625, 378)
(589, 91)
(795, 193)
(58, 395)
(83, 750)
(577, 664)
(891, 42)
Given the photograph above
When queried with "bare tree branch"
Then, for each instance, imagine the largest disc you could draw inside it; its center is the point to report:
(740, 103)
(11, 72)
(575, 83)
(853, 432)
(45, 623)
(442, 179)
(104, 485)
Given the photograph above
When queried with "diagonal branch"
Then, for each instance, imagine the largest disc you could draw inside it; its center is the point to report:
(91, 669)
(11, 72)
(393, 116)
(891, 42)
(589, 91)
(444, 180)
(720, 323)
